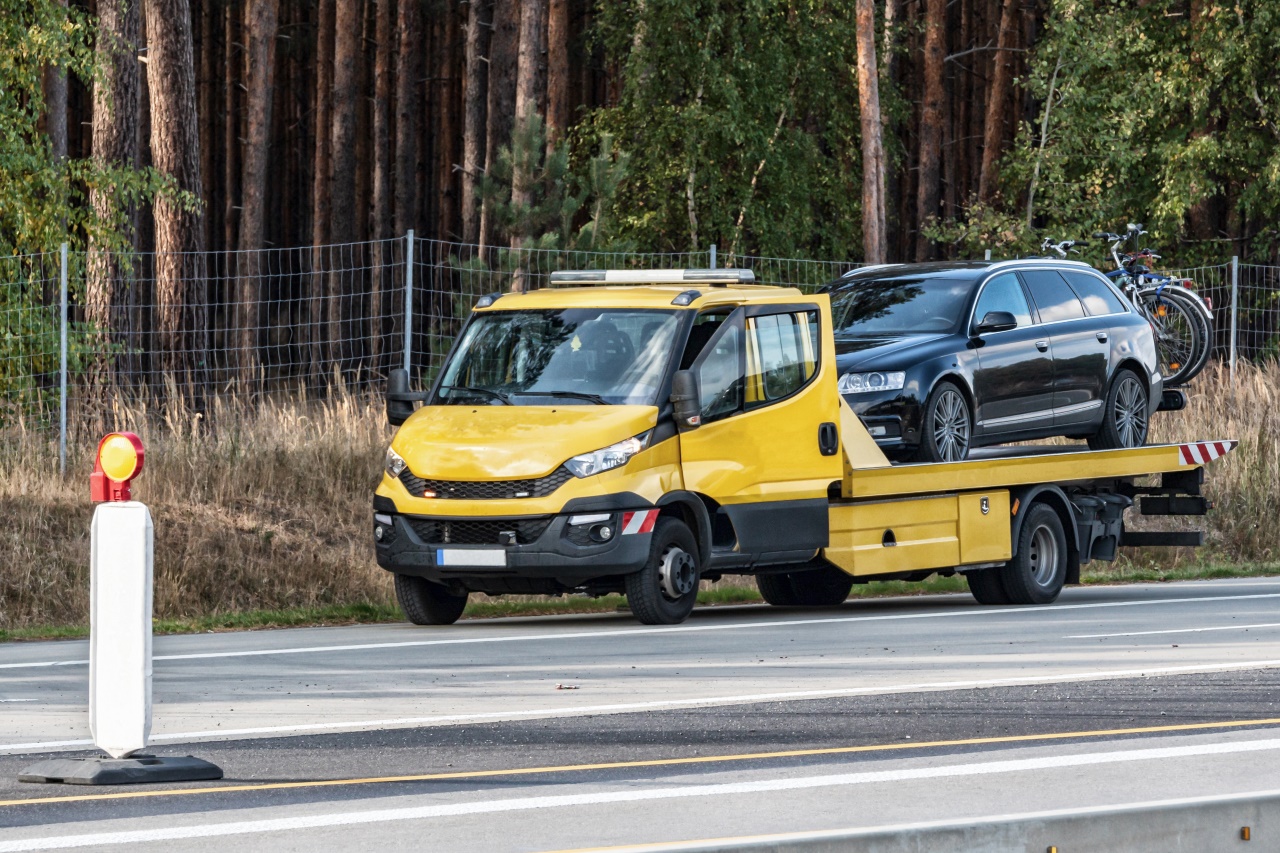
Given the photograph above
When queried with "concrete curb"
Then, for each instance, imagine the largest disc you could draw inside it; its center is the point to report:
(1200, 825)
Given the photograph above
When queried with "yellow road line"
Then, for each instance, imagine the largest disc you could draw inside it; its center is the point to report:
(656, 762)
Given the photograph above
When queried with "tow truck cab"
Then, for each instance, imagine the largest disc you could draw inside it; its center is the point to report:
(638, 432)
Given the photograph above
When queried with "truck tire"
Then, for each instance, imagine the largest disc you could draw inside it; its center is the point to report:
(825, 587)
(777, 589)
(1038, 569)
(946, 427)
(427, 603)
(665, 590)
(1124, 414)
(986, 586)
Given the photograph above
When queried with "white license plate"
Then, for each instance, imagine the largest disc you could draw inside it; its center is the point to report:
(488, 557)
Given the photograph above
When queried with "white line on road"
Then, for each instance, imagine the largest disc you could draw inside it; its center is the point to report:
(515, 804)
(664, 704)
(677, 629)
(1174, 631)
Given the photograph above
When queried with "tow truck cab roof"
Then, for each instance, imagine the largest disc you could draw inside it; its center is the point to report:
(640, 289)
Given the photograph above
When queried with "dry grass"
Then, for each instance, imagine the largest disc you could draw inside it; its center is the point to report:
(269, 510)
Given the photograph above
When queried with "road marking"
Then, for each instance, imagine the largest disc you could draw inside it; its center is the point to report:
(1174, 631)
(517, 804)
(666, 704)
(655, 762)
(674, 629)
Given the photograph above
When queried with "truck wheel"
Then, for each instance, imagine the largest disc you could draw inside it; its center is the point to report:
(986, 586)
(665, 590)
(427, 603)
(946, 428)
(824, 587)
(777, 589)
(1124, 416)
(1039, 566)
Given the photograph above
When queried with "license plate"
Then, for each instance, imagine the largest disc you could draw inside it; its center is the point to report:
(486, 557)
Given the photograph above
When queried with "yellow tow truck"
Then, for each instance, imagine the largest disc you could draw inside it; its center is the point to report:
(640, 432)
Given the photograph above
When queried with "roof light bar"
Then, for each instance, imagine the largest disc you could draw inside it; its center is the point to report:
(720, 277)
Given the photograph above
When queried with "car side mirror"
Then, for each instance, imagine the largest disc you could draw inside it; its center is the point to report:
(997, 321)
(400, 399)
(684, 400)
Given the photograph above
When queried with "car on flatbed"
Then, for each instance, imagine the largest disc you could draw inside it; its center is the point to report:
(940, 358)
(644, 431)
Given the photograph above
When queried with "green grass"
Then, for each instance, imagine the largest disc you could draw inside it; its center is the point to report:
(719, 594)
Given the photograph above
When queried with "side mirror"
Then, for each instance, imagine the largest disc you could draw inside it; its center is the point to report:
(684, 400)
(400, 399)
(997, 321)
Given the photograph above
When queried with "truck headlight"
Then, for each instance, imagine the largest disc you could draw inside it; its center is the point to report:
(605, 459)
(867, 383)
(395, 464)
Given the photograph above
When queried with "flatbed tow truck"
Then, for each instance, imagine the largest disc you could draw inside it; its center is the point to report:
(639, 432)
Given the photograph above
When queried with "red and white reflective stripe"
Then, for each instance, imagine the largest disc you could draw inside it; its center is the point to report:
(1204, 451)
(639, 522)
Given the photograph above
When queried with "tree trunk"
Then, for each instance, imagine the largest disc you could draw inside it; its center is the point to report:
(873, 226)
(408, 69)
(559, 107)
(320, 199)
(342, 183)
(447, 154)
(231, 132)
(504, 45)
(997, 101)
(260, 27)
(931, 118)
(383, 226)
(115, 144)
(473, 114)
(180, 283)
(55, 106)
(532, 18)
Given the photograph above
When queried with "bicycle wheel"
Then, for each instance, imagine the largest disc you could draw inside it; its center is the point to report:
(1182, 335)
(1205, 326)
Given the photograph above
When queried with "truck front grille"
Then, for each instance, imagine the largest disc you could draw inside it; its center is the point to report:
(486, 490)
(451, 531)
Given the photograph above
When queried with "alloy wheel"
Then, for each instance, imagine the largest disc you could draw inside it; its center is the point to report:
(1131, 412)
(951, 426)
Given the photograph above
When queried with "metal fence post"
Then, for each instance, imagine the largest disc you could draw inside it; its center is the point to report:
(62, 371)
(713, 255)
(408, 300)
(1235, 310)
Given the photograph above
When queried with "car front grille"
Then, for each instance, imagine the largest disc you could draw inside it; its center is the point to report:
(450, 531)
(486, 490)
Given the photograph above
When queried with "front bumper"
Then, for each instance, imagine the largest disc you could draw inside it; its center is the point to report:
(892, 418)
(544, 547)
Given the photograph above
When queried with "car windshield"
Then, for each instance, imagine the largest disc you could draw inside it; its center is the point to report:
(577, 356)
(899, 306)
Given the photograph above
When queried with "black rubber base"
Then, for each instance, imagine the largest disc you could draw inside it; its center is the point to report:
(120, 771)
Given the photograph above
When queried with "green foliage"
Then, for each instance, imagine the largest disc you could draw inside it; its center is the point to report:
(741, 117)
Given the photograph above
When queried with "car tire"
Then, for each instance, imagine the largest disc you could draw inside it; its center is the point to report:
(665, 590)
(986, 586)
(1038, 569)
(428, 603)
(825, 587)
(1125, 415)
(776, 589)
(946, 425)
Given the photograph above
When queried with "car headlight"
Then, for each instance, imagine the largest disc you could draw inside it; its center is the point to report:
(868, 383)
(608, 458)
(395, 464)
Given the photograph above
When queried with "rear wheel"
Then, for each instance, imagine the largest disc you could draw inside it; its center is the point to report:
(1181, 333)
(1124, 415)
(825, 587)
(777, 589)
(665, 590)
(1038, 569)
(986, 586)
(427, 603)
(946, 427)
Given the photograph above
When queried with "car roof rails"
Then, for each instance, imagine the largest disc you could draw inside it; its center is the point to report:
(715, 278)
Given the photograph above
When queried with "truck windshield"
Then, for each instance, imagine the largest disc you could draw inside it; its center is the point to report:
(576, 356)
(899, 306)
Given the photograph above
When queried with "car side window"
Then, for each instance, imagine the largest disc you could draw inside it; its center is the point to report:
(781, 356)
(1054, 298)
(720, 376)
(1003, 293)
(1099, 298)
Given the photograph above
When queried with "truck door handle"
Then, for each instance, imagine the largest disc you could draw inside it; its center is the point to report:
(1043, 346)
(1102, 337)
(828, 439)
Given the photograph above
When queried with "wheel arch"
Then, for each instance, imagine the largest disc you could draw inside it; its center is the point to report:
(1052, 496)
(690, 508)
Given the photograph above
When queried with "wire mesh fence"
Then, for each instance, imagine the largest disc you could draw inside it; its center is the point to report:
(146, 331)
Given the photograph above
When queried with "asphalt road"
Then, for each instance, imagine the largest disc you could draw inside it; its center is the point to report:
(743, 721)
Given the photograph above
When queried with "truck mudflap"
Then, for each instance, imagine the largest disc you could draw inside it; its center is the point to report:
(569, 548)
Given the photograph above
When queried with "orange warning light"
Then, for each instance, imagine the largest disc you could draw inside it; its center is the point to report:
(119, 460)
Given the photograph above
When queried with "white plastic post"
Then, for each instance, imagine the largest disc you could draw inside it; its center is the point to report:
(408, 301)
(1235, 310)
(120, 593)
(62, 373)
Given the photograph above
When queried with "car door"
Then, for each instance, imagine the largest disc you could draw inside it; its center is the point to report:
(1013, 382)
(766, 389)
(1081, 348)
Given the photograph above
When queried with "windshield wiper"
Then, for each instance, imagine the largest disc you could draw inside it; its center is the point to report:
(576, 395)
(487, 392)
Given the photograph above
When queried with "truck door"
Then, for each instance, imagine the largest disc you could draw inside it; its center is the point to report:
(767, 448)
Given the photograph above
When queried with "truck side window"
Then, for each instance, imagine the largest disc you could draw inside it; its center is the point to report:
(720, 377)
(781, 356)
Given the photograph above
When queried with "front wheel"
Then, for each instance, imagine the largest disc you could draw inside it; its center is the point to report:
(427, 603)
(665, 590)
(945, 427)
(1124, 416)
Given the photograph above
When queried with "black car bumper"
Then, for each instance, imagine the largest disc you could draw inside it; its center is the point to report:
(892, 418)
